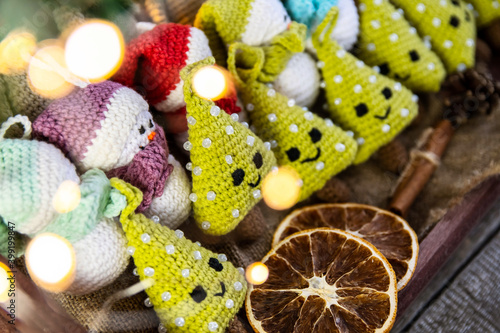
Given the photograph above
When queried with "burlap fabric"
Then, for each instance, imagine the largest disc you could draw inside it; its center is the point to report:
(472, 157)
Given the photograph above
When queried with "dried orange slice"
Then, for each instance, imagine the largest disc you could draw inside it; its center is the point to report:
(324, 280)
(390, 234)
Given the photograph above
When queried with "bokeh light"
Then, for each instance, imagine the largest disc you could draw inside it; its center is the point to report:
(281, 188)
(4, 283)
(257, 273)
(50, 260)
(67, 197)
(16, 51)
(211, 83)
(95, 50)
(47, 72)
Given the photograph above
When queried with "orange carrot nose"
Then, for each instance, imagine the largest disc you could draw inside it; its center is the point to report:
(151, 136)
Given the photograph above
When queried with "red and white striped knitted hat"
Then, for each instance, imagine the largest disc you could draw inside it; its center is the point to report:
(153, 62)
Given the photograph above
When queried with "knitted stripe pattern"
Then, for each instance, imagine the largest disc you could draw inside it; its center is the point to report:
(389, 42)
(315, 148)
(229, 162)
(487, 11)
(372, 106)
(448, 25)
(193, 289)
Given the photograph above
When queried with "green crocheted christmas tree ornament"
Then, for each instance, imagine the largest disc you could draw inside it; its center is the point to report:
(487, 11)
(315, 148)
(371, 105)
(448, 26)
(229, 161)
(387, 40)
(192, 289)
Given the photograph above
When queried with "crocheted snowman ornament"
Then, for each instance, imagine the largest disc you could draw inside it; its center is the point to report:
(372, 106)
(192, 289)
(229, 162)
(389, 42)
(261, 23)
(449, 26)
(108, 126)
(32, 173)
(486, 11)
(315, 148)
(313, 12)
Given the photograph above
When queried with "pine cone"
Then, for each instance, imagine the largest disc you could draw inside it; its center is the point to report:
(469, 94)
(392, 157)
(334, 191)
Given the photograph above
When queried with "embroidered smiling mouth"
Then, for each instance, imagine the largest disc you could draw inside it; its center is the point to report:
(386, 114)
(402, 78)
(256, 184)
(318, 154)
(223, 287)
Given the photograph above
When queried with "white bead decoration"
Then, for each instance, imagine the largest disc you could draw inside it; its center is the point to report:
(337, 101)
(360, 64)
(229, 159)
(436, 22)
(205, 225)
(291, 102)
(134, 272)
(372, 79)
(197, 171)
(162, 329)
(256, 194)
(147, 303)
(155, 219)
(414, 98)
(308, 115)
(393, 37)
(329, 122)
(241, 270)
(397, 86)
(229, 130)
(358, 88)
(148, 271)
(191, 120)
(222, 257)
(250, 140)
(213, 326)
(193, 197)
(189, 166)
(211, 195)
(320, 64)
(341, 53)
(198, 243)
(271, 92)
(274, 143)
(370, 47)
(413, 30)
(179, 233)
(375, 24)
(272, 117)
(461, 67)
(337, 78)
(293, 128)
(322, 84)
(431, 66)
(234, 117)
(386, 128)
(340, 147)
(235, 213)
(238, 286)
(360, 141)
(131, 250)
(185, 273)
(396, 15)
(245, 124)
(206, 143)
(350, 134)
(215, 110)
(187, 145)
(267, 145)
(179, 322)
(320, 166)
(229, 304)
(197, 255)
(170, 249)
(470, 42)
(250, 107)
(405, 112)
(166, 296)
(145, 238)
(448, 44)
(421, 7)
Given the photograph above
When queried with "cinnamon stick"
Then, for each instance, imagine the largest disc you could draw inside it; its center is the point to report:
(422, 166)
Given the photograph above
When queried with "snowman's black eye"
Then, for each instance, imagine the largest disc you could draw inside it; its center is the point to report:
(238, 177)
(257, 160)
(215, 264)
(315, 135)
(414, 56)
(361, 109)
(454, 21)
(142, 130)
(384, 69)
(293, 154)
(151, 125)
(387, 93)
(198, 294)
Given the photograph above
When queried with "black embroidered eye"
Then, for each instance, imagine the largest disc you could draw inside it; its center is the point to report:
(257, 160)
(361, 109)
(315, 135)
(454, 21)
(387, 93)
(198, 294)
(293, 154)
(467, 16)
(238, 177)
(142, 130)
(215, 264)
(456, 3)
(151, 125)
(384, 69)
(414, 56)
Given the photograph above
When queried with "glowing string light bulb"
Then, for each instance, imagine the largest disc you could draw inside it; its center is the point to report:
(4, 283)
(67, 197)
(257, 273)
(50, 260)
(95, 50)
(210, 83)
(16, 51)
(281, 188)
